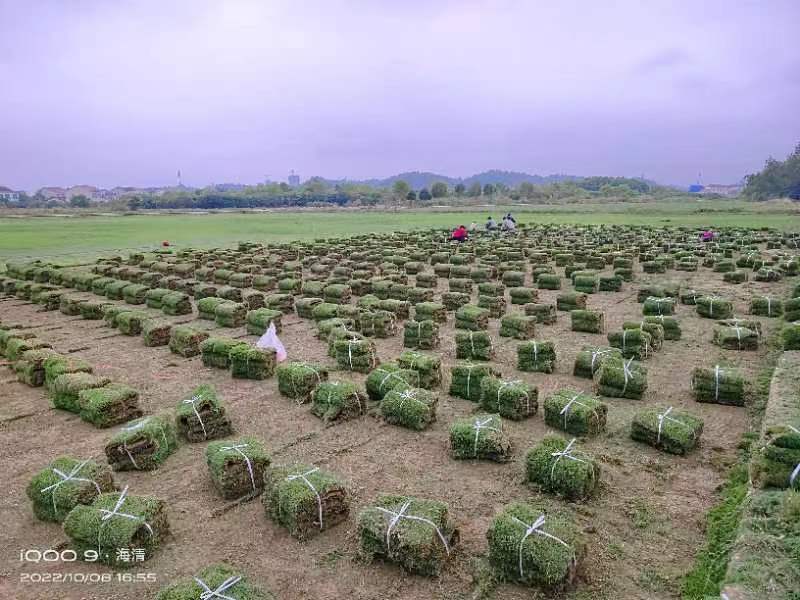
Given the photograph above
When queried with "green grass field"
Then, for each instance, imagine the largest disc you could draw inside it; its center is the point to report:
(75, 238)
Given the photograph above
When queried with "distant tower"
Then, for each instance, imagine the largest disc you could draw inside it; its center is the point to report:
(294, 179)
(179, 178)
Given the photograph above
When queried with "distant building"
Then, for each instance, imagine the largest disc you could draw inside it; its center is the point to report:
(58, 194)
(717, 189)
(695, 188)
(8, 195)
(294, 179)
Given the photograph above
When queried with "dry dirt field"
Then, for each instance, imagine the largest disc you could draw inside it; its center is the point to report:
(643, 528)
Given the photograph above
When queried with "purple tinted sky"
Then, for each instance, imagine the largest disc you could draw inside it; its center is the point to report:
(126, 92)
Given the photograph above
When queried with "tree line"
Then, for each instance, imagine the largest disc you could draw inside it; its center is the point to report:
(778, 179)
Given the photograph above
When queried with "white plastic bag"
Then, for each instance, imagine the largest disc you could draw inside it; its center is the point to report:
(270, 340)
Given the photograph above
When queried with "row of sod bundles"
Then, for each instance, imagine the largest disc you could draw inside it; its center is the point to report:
(532, 548)
(718, 385)
(355, 354)
(633, 343)
(587, 321)
(219, 578)
(112, 312)
(512, 399)
(496, 305)
(429, 367)
(237, 467)
(673, 431)
(57, 364)
(215, 351)
(230, 314)
(475, 345)
(17, 346)
(430, 311)
(135, 293)
(548, 281)
(338, 401)
(544, 313)
(571, 301)
(185, 340)
(766, 306)
(415, 533)
(536, 356)
(589, 360)
(558, 467)
(131, 322)
(142, 445)
(248, 362)
(736, 338)
(714, 307)
(518, 326)
(658, 306)
(201, 415)
(390, 376)
(304, 499)
(156, 332)
(411, 407)
(523, 295)
(471, 317)
(670, 325)
(258, 321)
(454, 300)
(423, 335)
(378, 323)
(117, 520)
(65, 483)
(176, 303)
(297, 379)
(621, 378)
(30, 366)
(71, 305)
(207, 307)
(480, 437)
(108, 405)
(92, 310)
(735, 277)
(575, 412)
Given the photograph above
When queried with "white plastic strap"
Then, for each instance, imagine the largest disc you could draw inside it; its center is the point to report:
(794, 475)
(535, 527)
(627, 373)
(193, 400)
(238, 448)
(107, 515)
(401, 514)
(665, 417)
(478, 425)
(565, 453)
(506, 384)
(208, 593)
(304, 477)
(595, 353)
(65, 477)
(716, 382)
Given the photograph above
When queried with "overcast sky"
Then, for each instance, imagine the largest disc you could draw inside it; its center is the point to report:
(127, 92)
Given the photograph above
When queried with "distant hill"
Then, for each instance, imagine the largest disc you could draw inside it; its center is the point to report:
(421, 179)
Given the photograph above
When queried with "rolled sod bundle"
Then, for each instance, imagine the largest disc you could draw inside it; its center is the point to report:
(92, 310)
(156, 332)
(204, 290)
(532, 548)
(621, 378)
(429, 367)
(135, 293)
(466, 377)
(751, 324)
(207, 307)
(418, 294)
(185, 340)
(633, 343)
(258, 321)
(71, 305)
(17, 346)
(558, 467)
(548, 281)
(544, 313)
(471, 317)
(400, 308)
(51, 300)
(790, 336)
(791, 309)
(460, 284)
(176, 303)
(111, 314)
(131, 322)
(378, 323)
(423, 335)
(491, 288)
(523, 295)
(201, 415)
(30, 366)
(670, 325)
(475, 345)
(658, 306)
(304, 307)
(230, 293)
(480, 437)
(338, 293)
(514, 278)
(355, 354)
(108, 405)
(589, 360)
(415, 533)
(65, 483)
(718, 385)
(496, 305)
(248, 362)
(455, 300)
(143, 444)
(219, 578)
(338, 401)
(426, 280)
(237, 467)
(650, 291)
(411, 407)
(430, 311)
(714, 307)
(114, 289)
(306, 500)
(117, 520)
(766, 306)
(571, 301)
(588, 321)
(297, 379)
(99, 285)
(654, 329)
(689, 297)
(281, 302)
(230, 314)
(518, 326)
(575, 412)
(610, 283)
(670, 430)
(154, 297)
(735, 277)
(586, 284)
(512, 399)
(736, 338)
(390, 376)
(57, 364)
(66, 388)
(536, 356)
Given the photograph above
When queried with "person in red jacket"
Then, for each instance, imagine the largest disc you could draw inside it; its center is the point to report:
(459, 234)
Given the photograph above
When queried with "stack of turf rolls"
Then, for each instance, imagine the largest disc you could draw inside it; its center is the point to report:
(790, 336)
(475, 345)
(548, 281)
(176, 303)
(71, 305)
(207, 307)
(496, 305)
(514, 278)
(512, 399)
(399, 308)
(117, 520)
(658, 306)
(223, 578)
(460, 284)
(480, 437)
(650, 291)
(718, 385)
(472, 318)
(634, 343)
(289, 285)
(426, 280)
(587, 321)
(156, 332)
(389, 376)
(428, 366)
(523, 295)
(736, 338)
(248, 362)
(791, 309)
(65, 483)
(30, 366)
(297, 379)
(654, 329)
(536, 356)
(559, 467)
(131, 322)
(689, 297)
(575, 412)
(421, 543)
(65, 389)
(423, 335)
(230, 314)
(668, 429)
(281, 302)
(237, 466)
(621, 378)
(57, 364)
(430, 311)
(418, 294)
(142, 445)
(338, 401)
(587, 284)
(312, 289)
(714, 307)
(532, 558)
(610, 283)
(751, 324)
(777, 459)
(454, 300)
(111, 314)
(92, 310)
(378, 323)
(766, 306)
(114, 290)
(338, 293)
(518, 326)
(544, 313)
(258, 321)
(185, 340)
(491, 288)
(671, 326)
(341, 333)
(109, 405)
(304, 499)
(466, 377)
(571, 301)
(201, 416)
(735, 277)
(326, 310)
(411, 407)
(304, 307)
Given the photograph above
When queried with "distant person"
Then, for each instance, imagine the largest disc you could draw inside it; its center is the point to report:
(473, 227)
(491, 224)
(509, 217)
(509, 224)
(707, 236)
(459, 234)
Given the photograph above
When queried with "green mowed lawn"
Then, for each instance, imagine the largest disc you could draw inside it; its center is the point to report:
(75, 238)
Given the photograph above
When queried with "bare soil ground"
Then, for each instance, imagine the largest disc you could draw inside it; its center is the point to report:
(642, 529)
